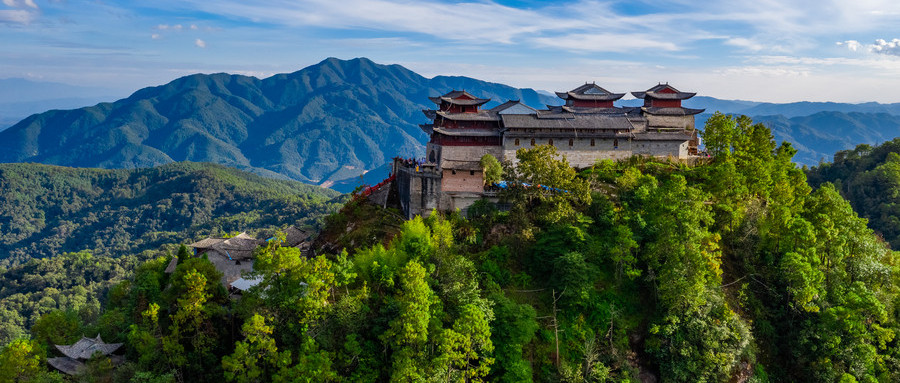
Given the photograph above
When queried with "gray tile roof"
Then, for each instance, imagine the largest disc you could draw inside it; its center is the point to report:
(459, 97)
(676, 136)
(238, 247)
(480, 116)
(578, 121)
(66, 365)
(460, 165)
(172, 264)
(294, 236)
(589, 92)
(658, 93)
(513, 107)
(468, 132)
(671, 111)
(86, 347)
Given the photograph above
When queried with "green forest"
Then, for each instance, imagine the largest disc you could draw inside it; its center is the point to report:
(47, 210)
(68, 234)
(868, 177)
(733, 269)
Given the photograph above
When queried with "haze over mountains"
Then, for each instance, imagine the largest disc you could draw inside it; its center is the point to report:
(332, 121)
(20, 98)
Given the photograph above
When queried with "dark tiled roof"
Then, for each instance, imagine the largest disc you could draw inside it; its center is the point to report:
(555, 113)
(480, 116)
(672, 111)
(567, 133)
(427, 128)
(459, 97)
(588, 110)
(294, 236)
(468, 132)
(238, 247)
(172, 264)
(207, 243)
(86, 347)
(66, 365)
(664, 92)
(516, 107)
(579, 121)
(431, 114)
(460, 165)
(677, 136)
(589, 92)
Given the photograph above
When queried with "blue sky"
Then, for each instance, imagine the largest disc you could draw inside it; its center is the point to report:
(761, 50)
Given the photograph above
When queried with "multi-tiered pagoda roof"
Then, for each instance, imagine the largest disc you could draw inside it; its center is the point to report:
(664, 99)
(589, 95)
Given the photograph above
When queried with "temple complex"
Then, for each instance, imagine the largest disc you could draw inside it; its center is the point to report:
(588, 127)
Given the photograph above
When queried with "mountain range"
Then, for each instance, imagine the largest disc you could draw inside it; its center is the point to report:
(327, 122)
(331, 122)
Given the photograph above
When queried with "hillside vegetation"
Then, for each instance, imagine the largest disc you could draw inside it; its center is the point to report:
(868, 177)
(640, 270)
(112, 220)
(47, 210)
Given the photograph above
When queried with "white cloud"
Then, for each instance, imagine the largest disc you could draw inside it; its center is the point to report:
(200, 43)
(23, 12)
(16, 16)
(880, 46)
(194, 27)
(745, 43)
(852, 45)
(20, 4)
(784, 26)
(605, 42)
(886, 47)
(155, 36)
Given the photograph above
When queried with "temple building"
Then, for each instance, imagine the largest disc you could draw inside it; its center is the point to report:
(75, 355)
(231, 256)
(588, 127)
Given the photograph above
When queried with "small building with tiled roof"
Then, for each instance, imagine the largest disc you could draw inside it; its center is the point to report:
(231, 256)
(75, 355)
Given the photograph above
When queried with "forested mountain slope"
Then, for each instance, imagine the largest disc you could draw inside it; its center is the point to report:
(732, 270)
(47, 210)
(868, 177)
(326, 122)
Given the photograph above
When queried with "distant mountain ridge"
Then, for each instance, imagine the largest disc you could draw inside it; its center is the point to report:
(326, 122)
(330, 122)
(789, 110)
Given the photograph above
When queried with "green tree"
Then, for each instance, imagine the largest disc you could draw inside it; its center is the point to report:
(492, 169)
(408, 332)
(257, 356)
(555, 190)
(467, 347)
(21, 361)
